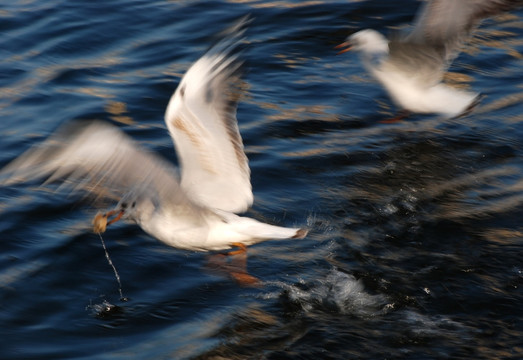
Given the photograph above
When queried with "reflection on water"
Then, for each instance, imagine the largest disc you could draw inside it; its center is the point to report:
(118, 110)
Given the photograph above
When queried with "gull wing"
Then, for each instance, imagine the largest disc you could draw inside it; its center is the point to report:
(422, 62)
(448, 23)
(440, 30)
(201, 118)
(98, 159)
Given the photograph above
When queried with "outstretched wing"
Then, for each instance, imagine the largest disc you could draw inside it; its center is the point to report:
(448, 23)
(440, 30)
(201, 118)
(96, 158)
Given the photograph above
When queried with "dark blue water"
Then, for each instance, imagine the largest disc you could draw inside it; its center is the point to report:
(416, 242)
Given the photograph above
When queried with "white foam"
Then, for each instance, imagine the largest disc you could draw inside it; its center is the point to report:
(436, 325)
(101, 309)
(338, 292)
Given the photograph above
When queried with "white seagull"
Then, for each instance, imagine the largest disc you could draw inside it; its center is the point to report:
(410, 66)
(196, 212)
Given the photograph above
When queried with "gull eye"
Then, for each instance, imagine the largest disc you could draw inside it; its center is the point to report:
(134, 204)
(123, 205)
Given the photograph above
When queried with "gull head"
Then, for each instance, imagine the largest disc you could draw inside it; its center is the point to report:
(135, 207)
(368, 41)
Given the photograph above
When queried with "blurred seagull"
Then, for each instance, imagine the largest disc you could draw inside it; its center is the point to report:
(411, 66)
(194, 213)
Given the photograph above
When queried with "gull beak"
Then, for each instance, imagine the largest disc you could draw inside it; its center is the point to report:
(346, 45)
(118, 216)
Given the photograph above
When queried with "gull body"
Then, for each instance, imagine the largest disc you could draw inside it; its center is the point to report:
(194, 211)
(410, 66)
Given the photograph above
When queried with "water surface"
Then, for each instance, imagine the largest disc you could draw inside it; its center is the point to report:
(415, 248)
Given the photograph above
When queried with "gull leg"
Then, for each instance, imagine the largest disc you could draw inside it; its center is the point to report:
(242, 249)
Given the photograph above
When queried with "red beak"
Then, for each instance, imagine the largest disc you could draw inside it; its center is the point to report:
(345, 45)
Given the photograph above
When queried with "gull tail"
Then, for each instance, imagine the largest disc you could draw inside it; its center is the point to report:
(250, 231)
(262, 231)
(449, 101)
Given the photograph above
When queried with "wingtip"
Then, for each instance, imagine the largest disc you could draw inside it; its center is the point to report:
(230, 37)
(242, 22)
(472, 105)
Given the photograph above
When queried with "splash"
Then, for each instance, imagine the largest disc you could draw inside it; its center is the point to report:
(104, 310)
(338, 293)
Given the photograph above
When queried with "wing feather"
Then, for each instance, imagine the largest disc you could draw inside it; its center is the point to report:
(447, 24)
(440, 30)
(201, 118)
(98, 159)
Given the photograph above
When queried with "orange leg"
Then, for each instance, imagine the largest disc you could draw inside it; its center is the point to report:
(242, 249)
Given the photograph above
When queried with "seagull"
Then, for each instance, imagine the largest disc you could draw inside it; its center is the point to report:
(192, 209)
(410, 66)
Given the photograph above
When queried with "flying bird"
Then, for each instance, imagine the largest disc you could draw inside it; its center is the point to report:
(410, 65)
(194, 209)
